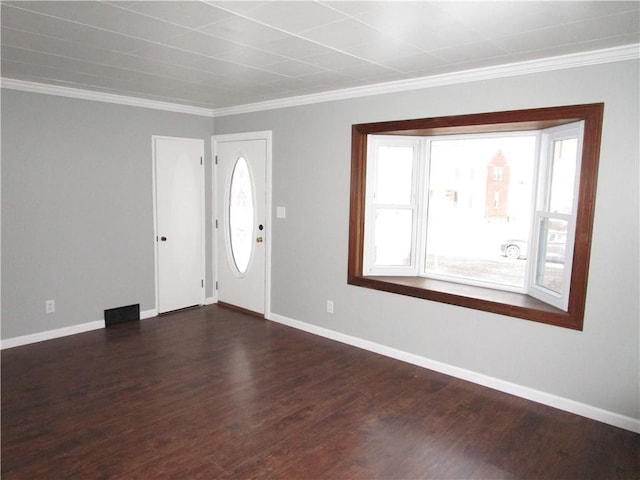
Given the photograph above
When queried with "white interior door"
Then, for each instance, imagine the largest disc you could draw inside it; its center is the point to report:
(241, 234)
(179, 203)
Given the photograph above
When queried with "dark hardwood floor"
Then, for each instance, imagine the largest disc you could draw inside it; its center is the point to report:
(215, 393)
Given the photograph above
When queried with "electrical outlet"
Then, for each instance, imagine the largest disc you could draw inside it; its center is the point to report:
(50, 306)
(329, 306)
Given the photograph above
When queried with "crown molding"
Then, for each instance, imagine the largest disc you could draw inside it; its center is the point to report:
(595, 57)
(82, 94)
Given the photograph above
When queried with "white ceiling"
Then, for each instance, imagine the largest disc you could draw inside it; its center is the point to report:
(220, 54)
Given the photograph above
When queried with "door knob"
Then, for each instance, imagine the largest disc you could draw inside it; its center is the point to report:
(163, 239)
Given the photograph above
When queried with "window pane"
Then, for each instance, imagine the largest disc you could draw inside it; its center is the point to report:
(395, 172)
(392, 242)
(563, 175)
(241, 215)
(552, 254)
(479, 204)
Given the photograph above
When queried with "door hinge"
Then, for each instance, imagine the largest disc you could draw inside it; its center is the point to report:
(216, 285)
(216, 159)
(216, 223)
(200, 160)
(202, 283)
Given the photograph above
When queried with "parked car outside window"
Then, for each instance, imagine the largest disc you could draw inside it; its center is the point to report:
(518, 248)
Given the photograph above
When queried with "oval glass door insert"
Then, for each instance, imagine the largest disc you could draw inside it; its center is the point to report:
(241, 218)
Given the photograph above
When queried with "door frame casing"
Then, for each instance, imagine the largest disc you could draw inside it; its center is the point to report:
(155, 218)
(238, 137)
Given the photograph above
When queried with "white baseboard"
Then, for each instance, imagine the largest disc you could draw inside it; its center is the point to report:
(209, 301)
(568, 405)
(50, 334)
(63, 332)
(148, 314)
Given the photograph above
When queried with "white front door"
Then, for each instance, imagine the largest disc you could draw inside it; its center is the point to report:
(242, 230)
(179, 205)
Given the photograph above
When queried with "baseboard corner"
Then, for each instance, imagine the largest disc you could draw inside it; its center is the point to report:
(144, 314)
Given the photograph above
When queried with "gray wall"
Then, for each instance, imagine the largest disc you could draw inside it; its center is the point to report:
(311, 159)
(77, 207)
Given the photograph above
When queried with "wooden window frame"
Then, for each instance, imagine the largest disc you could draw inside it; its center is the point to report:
(480, 298)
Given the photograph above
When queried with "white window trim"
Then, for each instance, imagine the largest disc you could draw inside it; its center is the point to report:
(371, 205)
(542, 209)
(540, 192)
(422, 247)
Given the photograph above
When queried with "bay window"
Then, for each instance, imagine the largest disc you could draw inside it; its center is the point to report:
(489, 211)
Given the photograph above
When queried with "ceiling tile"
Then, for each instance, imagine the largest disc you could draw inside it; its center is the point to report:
(499, 18)
(569, 12)
(290, 84)
(422, 62)
(292, 68)
(242, 75)
(355, 8)
(200, 43)
(610, 42)
(83, 12)
(26, 77)
(183, 87)
(535, 40)
(21, 55)
(187, 14)
(180, 73)
(134, 62)
(241, 7)
(333, 60)
(464, 53)
(249, 56)
(193, 75)
(371, 73)
(405, 20)
(62, 74)
(77, 67)
(343, 34)
(451, 35)
(557, 50)
(383, 50)
(55, 46)
(605, 27)
(330, 80)
(294, 17)
(139, 26)
(168, 54)
(294, 47)
(132, 76)
(470, 64)
(105, 16)
(53, 27)
(219, 67)
(243, 31)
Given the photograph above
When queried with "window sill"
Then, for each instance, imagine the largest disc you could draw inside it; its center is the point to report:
(478, 298)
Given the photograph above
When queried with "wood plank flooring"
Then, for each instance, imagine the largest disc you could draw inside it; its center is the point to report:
(215, 393)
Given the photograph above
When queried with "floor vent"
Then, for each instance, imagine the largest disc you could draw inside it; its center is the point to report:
(129, 313)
